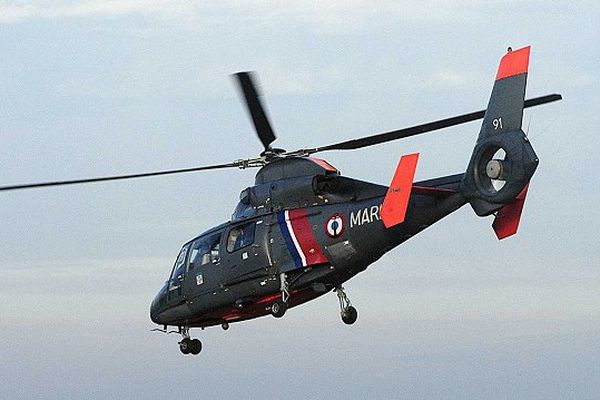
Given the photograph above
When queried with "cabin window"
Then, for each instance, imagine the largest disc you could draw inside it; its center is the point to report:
(205, 251)
(241, 236)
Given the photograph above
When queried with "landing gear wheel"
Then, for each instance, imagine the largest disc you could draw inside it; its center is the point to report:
(278, 308)
(350, 315)
(225, 325)
(196, 346)
(185, 345)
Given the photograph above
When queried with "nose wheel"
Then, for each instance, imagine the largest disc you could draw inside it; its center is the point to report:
(188, 345)
(347, 311)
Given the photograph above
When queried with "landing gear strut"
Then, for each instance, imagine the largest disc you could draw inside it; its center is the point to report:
(279, 306)
(347, 311)
(188, 345)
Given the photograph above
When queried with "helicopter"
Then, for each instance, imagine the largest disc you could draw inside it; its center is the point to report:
(303, 230)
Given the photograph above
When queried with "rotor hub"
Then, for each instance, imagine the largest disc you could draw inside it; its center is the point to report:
(494, 169)
(271, 154)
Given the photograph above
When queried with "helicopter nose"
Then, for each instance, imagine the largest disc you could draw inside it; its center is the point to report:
(154, 312)
(157, 305)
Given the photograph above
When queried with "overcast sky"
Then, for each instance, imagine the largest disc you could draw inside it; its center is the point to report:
(106, 87)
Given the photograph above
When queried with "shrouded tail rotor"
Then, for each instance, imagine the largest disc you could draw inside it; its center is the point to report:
(503, 160)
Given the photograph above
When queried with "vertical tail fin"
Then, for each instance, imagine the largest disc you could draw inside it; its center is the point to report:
(503, 160)
(504, 112)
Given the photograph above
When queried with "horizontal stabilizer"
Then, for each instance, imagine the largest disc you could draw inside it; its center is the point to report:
(396, 200)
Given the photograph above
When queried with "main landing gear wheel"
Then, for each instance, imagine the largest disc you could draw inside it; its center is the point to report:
(350, 315)
(347, 311)
(278, 308)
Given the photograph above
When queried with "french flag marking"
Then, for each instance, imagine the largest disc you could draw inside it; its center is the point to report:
(300, 240)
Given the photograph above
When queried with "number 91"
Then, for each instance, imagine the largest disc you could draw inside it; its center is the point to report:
(497, 122)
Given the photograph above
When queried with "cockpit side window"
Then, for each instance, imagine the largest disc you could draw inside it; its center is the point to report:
(179, 267)
(204, 251)
(241, 236)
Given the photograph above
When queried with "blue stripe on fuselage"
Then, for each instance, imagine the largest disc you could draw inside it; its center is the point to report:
(288, 239)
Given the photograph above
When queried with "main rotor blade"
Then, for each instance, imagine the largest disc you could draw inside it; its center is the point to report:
(119, 177)
(255, 108)
(419, 129)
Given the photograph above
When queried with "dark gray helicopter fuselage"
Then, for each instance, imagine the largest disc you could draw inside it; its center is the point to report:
(303, 230)
(301, 219)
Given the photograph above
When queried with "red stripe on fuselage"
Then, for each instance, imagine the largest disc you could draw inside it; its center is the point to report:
(514, 63)
(432, 190)
(305, 237)
(271, 298)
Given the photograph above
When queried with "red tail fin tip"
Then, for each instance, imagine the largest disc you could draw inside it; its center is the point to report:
(514, 63)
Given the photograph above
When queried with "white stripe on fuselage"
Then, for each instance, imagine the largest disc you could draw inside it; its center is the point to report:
(294, 239)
